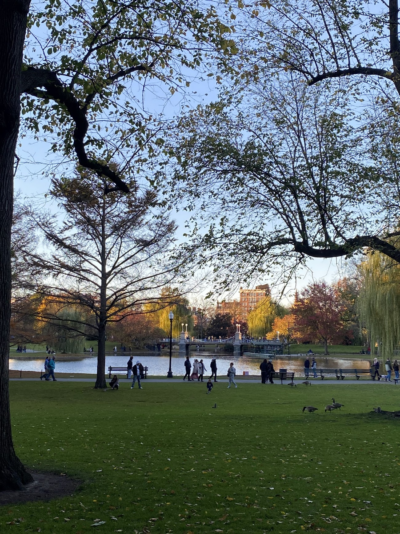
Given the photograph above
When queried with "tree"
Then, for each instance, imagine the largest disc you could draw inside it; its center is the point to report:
(136, 330)
(109, 256)
(76, 71)
(13, 21)
(299, 157)
(170, 300)
(284, 328)
(318, 315)
(379, 301)
(261, 318)
(221, 326)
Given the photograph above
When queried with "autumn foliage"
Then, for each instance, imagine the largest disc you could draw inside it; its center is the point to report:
(319, 315)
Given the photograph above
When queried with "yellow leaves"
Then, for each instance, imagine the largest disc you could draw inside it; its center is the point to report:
(229, 498)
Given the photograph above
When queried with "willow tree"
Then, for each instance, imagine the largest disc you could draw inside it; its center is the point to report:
(379, 302)
(170, 300)
(261, 318)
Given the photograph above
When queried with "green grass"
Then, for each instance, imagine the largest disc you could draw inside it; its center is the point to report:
(162, 460)
(333, 350)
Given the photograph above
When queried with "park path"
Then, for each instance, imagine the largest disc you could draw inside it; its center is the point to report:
(222, 381)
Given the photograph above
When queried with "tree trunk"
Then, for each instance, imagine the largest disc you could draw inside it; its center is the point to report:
(101, 357)
(101, 344)
(326, 353)
(12, 34)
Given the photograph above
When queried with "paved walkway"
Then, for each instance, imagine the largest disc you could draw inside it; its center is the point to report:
(223, 381)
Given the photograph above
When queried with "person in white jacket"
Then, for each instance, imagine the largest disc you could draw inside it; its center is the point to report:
(231, 375)
(195, 369)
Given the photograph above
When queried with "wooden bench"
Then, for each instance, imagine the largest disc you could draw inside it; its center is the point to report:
(125, 369)
(283, 375)
(356, 372)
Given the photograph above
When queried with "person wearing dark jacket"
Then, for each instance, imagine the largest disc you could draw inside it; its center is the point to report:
(114, 382)
(129, 366)
(376, 369)
(138, 372)
(307, 368)
(214, 369)
(270, 371)
(188, 366)
(264, 367)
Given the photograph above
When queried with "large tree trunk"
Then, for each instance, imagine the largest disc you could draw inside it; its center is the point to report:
(101, 345)
(101, 357)
(13, 15)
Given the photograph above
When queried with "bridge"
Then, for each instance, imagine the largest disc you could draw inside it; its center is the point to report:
(257, 347)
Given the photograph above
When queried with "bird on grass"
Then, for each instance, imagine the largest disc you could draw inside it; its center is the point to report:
(309, 409)
(307, 383)
(292, 385)
(336, 404)
(330, 407)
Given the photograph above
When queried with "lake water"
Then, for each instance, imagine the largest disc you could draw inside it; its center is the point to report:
(158, 365)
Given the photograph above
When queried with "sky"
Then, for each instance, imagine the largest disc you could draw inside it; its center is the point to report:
(32, 184)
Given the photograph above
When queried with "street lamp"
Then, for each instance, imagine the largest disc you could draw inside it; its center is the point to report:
(171, 318)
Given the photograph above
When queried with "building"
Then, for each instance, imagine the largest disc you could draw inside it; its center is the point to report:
(232, 307)
(249, 298)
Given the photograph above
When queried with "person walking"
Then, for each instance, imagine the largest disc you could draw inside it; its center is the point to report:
(263, 368)
(396, 369)
(130, 366)
(195, 373)
(202, 370)
(376, 369)
(46, 369)
(270, 371)
(307, 368)
(314, 367)
(137, 374)
(214, 369)
(51, 366)
(389, 369)
(231, 375)
(188, 366)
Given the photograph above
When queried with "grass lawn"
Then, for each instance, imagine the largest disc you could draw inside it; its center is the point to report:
(162, 460)
(334, 350)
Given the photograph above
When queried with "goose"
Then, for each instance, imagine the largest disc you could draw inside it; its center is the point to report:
(336, 404)
(307, 383)
(292, 385)
(309, 409)
(330, 407)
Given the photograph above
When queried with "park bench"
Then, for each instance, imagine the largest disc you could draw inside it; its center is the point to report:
(323, 372)
(125, 369)
(356, 372)
(282, 374)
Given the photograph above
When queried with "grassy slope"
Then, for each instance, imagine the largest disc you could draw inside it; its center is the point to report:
(162, 460)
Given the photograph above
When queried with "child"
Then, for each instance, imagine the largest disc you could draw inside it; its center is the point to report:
(209, 386)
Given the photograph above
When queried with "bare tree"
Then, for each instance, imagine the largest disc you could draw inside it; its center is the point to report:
(110, 256)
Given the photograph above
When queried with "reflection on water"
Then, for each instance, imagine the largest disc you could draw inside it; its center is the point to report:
(158, 365)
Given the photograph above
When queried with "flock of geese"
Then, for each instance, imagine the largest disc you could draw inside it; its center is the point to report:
(328, 408)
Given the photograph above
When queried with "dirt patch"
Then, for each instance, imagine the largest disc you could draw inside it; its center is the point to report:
(45, 487)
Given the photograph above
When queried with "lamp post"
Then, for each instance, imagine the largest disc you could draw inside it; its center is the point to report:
(171, 318)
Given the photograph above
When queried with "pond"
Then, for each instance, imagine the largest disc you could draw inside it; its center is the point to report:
(158, 365)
